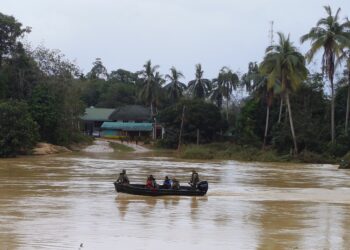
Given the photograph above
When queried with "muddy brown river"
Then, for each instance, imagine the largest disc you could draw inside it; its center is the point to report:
(68, 202)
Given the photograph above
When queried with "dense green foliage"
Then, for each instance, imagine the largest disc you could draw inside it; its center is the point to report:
(39, 93)
(18, 130)
(285, 110)
(330, 35)
(200, 119)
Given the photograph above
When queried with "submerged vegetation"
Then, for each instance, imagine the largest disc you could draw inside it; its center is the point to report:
(286, 113)
(230, 151)
(120, 147)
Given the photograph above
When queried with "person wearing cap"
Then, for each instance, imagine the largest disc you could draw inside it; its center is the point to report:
(123, 178)
(167, 183)
(194, 179)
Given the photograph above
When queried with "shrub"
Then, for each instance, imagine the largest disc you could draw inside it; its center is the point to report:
(196, 152)
(18, 131)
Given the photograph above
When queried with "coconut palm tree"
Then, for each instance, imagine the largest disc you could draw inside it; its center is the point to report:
(346, 57)
(331, 35)
(200, 87)
(283, 63)
(252, 78)
(175, 88)
(150, 87)
(225, 83)
(216, 94)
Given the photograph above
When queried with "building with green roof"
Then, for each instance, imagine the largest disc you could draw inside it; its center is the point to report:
(93, 119)
(128, 120)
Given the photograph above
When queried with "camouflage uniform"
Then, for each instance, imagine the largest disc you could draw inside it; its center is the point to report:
(194, 179)
(123, 178)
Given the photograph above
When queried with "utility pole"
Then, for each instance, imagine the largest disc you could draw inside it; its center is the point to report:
(268, 94)
(182, 124)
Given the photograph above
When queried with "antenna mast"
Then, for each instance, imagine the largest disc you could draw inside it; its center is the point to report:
(271, 41)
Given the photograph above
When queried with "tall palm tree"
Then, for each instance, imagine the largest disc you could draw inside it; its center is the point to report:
(150, 84)
(331, 35)
(216, 95)
(226, 82)
(283, 63)
(175, 88)
(159, 81)
(346, 57)
(252, 78)
(200, 87)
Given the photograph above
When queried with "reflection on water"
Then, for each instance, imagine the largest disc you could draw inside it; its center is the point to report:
(60, 202)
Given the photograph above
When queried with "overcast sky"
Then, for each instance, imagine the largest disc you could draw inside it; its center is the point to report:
(180, 33)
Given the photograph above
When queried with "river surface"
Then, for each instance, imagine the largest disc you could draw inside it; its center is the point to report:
(68, 202)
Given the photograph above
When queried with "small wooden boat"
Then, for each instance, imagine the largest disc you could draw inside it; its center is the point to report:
(140, 189)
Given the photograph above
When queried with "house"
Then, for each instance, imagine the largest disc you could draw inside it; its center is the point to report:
(128, 120)
(93, 119)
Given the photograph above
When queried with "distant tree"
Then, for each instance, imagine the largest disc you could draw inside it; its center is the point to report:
(124, 76)
(283, 63)
(18, 131)
(21, 73)
(151, 84)
(200, 87)
(346, 57)
(91, 92)
(98, 71)
(332, 36)
(10, 31)
(59, 81)
(226, 82)
(55, 66)
(117, 94)
(45, 110)
(175, 88)
(252, 78)
(199, 116)
(216, 95)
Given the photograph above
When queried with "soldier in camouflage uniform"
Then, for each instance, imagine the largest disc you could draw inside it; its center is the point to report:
(123, 178)
(194, 179)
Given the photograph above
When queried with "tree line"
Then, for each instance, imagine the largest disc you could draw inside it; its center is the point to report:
(286, 108)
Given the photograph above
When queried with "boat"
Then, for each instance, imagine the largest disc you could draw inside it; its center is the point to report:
(141, 189)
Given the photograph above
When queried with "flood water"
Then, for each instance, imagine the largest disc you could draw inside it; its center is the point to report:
(69, 202)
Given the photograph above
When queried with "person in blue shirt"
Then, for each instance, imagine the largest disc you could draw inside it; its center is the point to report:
(167, 183)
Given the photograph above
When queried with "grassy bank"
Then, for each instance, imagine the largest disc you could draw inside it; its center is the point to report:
(228, 151)
(120, 147)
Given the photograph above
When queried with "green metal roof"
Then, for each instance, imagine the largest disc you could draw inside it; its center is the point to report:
(128, 126)
(97, 114)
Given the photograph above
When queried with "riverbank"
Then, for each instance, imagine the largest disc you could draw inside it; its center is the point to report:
(127, 146)
(102, 145)
(43, 148)
(229, 151)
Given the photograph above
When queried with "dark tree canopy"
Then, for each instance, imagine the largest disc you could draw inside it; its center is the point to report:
(199, 115)
(18, 130)
(10, 31)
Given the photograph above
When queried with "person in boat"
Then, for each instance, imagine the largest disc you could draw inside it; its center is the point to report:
(123, 178)
(175, 184)
(151, 182)
(194, 179)
(344, 164)
(167, 183)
